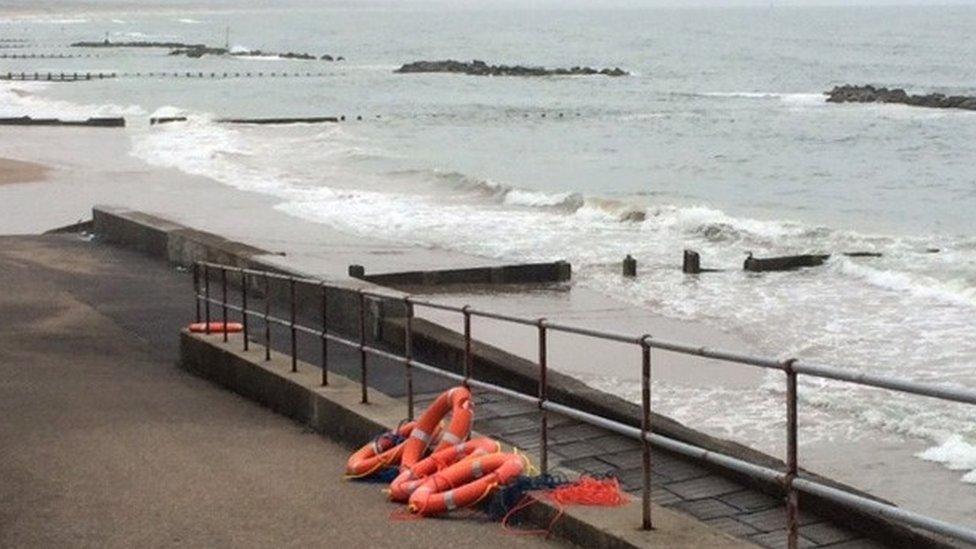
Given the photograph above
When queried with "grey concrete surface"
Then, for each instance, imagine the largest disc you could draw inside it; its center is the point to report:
(104, 442)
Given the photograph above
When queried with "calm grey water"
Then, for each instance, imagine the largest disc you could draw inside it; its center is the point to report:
(720, 141)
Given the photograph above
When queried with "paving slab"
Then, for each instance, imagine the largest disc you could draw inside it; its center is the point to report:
(705, 509)
(704, 487)
(777, 540)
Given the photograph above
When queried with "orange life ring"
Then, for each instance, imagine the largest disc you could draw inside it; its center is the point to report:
(457, 401)
(217, 327)
(379, 453)
(413, 476)
(465, 483)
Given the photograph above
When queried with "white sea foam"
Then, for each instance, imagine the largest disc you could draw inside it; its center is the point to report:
(536, 199)
(42, 20)
(23, 99)
(956, 454)
(189, 21)
(956, 291)
(796, 99)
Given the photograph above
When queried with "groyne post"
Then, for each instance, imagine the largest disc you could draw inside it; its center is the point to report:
(630, 267)
(692, 262)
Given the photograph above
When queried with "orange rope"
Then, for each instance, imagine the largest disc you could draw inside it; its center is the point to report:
(526, 502)
(404, 514)
(586, 491)
(590, 491)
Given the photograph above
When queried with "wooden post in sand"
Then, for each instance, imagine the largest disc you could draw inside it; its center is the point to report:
(692, 262)
(630, 267)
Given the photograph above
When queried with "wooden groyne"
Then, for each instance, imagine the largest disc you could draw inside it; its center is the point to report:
(90, 122)
(55, 76)
(48, 55)
(524, 273)
(269, 121)
(134, 44)
(166, 120)
(24, 76)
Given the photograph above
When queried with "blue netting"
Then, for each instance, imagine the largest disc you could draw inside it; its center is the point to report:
(508, 497)
(383, 476)
(389, 473)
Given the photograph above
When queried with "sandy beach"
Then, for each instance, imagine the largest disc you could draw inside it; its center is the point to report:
(18, 171)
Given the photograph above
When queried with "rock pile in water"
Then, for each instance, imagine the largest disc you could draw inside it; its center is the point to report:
(480, 68)
(871, 94)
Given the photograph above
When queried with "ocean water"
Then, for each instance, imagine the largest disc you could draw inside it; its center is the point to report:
(720, 141)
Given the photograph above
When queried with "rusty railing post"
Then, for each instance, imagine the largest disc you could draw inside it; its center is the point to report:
(792, 499)
(267, 317)
(294, 332)
(325, 335)
(645, 431)
(223, 299)
(206, 294)
(467, 343)
(408, 355)
(244, 315)
(543, 390)
(362, 345)
(196, 290)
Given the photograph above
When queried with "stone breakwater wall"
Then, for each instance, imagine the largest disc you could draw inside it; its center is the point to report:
(871, 94)
(480, 68)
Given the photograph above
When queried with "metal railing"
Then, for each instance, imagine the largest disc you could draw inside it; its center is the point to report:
(790, 479)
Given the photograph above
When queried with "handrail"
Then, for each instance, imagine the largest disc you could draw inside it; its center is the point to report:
(790, 479)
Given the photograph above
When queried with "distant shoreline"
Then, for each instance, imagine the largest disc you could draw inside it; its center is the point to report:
(18, 171)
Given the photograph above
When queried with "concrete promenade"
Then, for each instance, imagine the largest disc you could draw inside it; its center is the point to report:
(104, 442)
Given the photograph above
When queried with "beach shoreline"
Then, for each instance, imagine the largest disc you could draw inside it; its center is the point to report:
(103, 172)
(18, 171)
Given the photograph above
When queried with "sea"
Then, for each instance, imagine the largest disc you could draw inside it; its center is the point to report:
(720, 140)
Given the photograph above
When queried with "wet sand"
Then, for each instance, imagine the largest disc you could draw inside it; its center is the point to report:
(18, 171)
(103, 172)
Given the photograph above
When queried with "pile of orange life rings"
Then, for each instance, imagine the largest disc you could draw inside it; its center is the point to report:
(439, 469)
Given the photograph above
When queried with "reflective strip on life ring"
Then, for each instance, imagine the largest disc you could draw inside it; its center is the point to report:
(216, 327)
(457, 401)
(413, 476)
(378, 453)
(457, 486)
